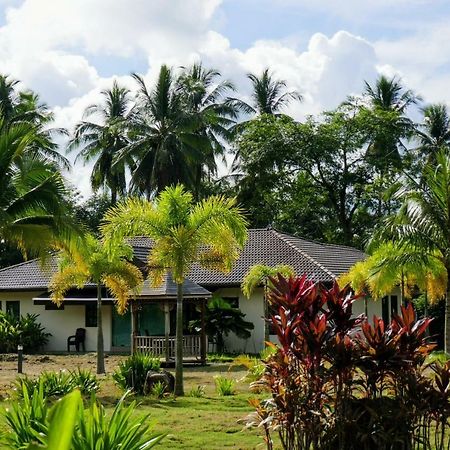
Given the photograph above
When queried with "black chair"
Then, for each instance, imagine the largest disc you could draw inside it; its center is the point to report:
(78, 338)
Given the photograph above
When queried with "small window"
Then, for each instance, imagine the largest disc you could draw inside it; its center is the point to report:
(1, 309)
(233, 301)
(90, 319)
(385, 310)
(13, 308)
(394, 305)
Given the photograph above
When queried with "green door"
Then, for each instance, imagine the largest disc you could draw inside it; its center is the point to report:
(121, 329)
(151, 320)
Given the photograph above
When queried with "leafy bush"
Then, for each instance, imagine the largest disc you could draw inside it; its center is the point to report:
(58, 384)
(340, 382)
(24, 330)
(68, 425)
(158, 390)
(132, 373)
(224, 386)
(197, 391)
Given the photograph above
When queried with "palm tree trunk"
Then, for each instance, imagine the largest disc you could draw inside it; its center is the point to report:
(179, 388)
(266, 316)
(100, 347)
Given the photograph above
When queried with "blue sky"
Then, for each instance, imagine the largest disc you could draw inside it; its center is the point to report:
(68, 50)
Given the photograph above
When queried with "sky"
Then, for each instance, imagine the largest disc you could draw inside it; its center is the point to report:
(69, 50)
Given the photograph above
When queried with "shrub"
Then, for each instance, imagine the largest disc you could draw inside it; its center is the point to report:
(224, 386)
(197, 391)
(132, 373)
(158, 390)
(58, 384)
(339, 382)
(24, 330)
(68, 425)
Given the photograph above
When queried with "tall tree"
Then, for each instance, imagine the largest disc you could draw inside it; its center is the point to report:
(434, 132)
(165, 140)
(33, 194)
(211, 233)
(102, 140)
(203, 96)
(422, 222)
(389, 101)
(104, 265)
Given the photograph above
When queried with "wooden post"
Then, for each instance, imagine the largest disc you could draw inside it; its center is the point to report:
(133, 326)
(167, 330)
(203, 333)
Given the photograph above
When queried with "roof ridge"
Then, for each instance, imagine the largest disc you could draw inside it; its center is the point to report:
(19, 264)
(317, 263)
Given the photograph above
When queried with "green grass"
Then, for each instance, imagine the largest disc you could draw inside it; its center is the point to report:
(209, 422)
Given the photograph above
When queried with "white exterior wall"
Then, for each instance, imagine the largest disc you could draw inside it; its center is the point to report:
(63, 323)
(253, 308)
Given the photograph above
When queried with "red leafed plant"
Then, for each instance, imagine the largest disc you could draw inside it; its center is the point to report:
(339, 382)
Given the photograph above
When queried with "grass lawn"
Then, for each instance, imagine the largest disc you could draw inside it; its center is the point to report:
(210, 422)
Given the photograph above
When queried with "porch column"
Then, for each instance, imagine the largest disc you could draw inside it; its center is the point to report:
(203, 334)
(133, 326)
(167, 329)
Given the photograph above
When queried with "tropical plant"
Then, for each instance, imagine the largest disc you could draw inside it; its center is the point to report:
(102, 140)
(58, 384)
(224, 386)
(104, 265)
(24, 330)
(211, 233)
(164, 137)
(434, 132)
(159, 390)
(259, 275)
(132, 372)
(33, 194)
(197, 391)
(269, 95)
(221, 319)
(334, 388)
(203, 96)
(389, 101)
(420, 225)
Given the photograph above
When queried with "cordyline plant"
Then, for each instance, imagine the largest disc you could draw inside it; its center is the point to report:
(339, 382)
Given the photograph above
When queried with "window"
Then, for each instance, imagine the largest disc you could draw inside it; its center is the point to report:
(385, 309)
(13, 308)
(394, 305)
(90, 317)
(0, 305)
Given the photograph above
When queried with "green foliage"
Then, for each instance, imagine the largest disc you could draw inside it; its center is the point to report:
(132, 373)
(224, 386)
(58, 384)
(68, 425)
(197, 391)
(25, 330)
(158, 390)
(221, 319)
(96, 430)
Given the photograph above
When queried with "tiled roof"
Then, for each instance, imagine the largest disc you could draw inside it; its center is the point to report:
(321, 262)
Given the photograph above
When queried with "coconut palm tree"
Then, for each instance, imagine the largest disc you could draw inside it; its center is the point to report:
(33, 194)
(165, 142)
(203, 97)
(269, 95)
(422, 222)
(389, 102)
(104, 265)
(102, 141)
(210, 233)
(434, 132)
(258, 275)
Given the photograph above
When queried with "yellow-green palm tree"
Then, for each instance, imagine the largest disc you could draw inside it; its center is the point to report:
(210, 233)
(258, 275)
(381, 272)
(103, 265)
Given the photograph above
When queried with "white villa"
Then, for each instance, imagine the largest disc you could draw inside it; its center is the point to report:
(24, 289)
